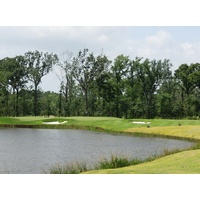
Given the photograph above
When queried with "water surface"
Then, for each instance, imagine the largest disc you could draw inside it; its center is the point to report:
(33, 151)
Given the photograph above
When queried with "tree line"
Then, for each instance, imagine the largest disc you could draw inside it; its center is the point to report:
(96, 86)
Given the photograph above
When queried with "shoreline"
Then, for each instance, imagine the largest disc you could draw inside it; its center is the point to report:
(98, 129)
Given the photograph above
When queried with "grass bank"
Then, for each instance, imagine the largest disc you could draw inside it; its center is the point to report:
(186, 162)
(189, 132)
(112, 162)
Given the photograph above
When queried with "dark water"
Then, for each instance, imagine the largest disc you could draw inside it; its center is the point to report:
(33, 151)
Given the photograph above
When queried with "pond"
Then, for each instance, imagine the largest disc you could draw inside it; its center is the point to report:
(34, 151)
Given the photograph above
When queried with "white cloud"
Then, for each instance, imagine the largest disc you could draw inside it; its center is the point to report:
(102, 38)
(163, 45)
(160, 45)
(159, 40)
(188, 49)
(190, 52)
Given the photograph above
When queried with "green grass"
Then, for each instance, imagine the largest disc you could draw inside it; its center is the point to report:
(107, 123)
(186, 162)
(119, 124)
(190, 132)
(112, 162)
(71, 168)
(116, 161)
(22, 120)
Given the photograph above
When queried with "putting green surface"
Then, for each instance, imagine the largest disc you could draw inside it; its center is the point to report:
(187, 162)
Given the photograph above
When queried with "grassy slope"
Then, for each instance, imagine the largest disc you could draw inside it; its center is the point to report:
(184, 162)
(188, 131)
(22, 120)
(107, 123)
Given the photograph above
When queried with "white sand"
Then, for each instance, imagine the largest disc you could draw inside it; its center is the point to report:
(141, 122)
(55, 122)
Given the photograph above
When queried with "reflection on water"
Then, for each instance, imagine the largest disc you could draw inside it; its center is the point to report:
(30, 151)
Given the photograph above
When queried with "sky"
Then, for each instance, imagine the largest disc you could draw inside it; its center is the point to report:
(150, 29)
(179, 44)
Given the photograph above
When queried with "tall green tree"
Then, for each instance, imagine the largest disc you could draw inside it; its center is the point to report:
(185, 75)
(4, 92)
(195, 76)
(105, 94)
(119, 72)
(169, 99)
(15, 76)
(67, 82)
(99, 84)
(39, 64)
(83, 65)
(18, 78)
(151, 75)
(86, 70)
(133, 88)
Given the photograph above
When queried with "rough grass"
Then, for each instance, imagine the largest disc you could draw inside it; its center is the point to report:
(70, 168)
(112, 162)
(186, 162)
(189, 131)
(116, 161)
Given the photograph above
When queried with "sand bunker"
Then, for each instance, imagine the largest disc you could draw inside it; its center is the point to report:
(55, 122)
(141, 122)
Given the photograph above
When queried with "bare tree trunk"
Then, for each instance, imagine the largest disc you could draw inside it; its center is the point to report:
(35, 101)
(86, 102)
(17, 102)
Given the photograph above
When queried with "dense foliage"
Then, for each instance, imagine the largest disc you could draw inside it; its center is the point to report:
(96, 86)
